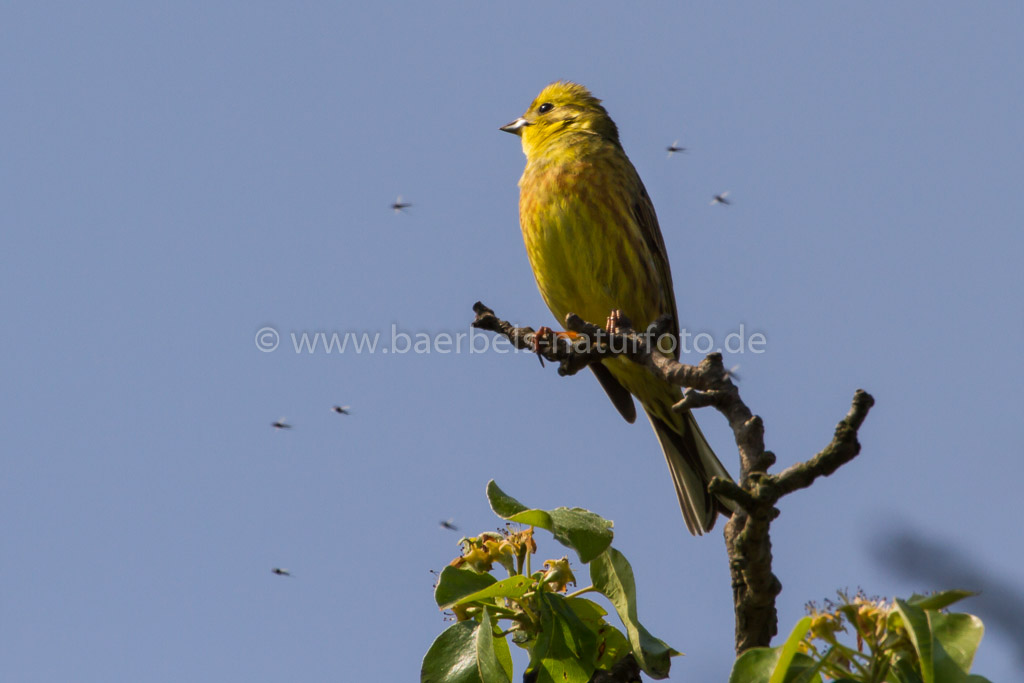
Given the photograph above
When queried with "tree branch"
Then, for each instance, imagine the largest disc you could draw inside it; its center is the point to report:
(707, 384)
(843, 448)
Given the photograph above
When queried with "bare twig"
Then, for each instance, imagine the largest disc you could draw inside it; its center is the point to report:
(708, 384)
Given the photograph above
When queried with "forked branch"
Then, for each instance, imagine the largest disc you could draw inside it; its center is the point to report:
(755, 493)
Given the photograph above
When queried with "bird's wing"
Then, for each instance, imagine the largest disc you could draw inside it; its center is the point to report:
(647, 221)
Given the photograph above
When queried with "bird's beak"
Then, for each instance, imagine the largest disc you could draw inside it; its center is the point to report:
(516, 127)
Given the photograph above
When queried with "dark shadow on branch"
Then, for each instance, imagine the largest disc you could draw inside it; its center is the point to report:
(755, 493)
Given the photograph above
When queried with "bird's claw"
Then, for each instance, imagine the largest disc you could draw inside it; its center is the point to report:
(616, 320)
(542, 333)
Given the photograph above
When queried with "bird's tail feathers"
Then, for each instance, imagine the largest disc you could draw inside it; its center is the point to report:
(692, 464)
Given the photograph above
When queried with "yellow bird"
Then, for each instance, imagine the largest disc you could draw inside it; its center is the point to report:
(595, 247)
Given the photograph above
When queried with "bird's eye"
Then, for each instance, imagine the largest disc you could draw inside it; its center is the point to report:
(545, 108)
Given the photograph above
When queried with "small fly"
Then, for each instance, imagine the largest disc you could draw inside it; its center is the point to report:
(674, 147)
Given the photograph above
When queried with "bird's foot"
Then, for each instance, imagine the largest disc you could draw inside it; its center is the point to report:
(548, 337)
(544, 333)
(617, 320)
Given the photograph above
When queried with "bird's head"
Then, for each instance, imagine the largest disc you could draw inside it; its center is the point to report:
(562, 110)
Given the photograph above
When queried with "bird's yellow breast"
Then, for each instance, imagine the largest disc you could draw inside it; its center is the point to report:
(580, 221)
(582, 239)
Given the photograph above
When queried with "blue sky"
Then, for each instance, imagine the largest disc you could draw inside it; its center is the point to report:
(177, 176)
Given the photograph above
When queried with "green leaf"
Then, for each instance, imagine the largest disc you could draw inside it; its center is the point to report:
(549, 643)
(512, 587)
(905, 669)
(501, 651)
(565, 648)
(612, 575)
(452, 656)
(789, 648)
(587, 610)
(958, 637)
(585, 532)
(610, 644)
(455, 584)
(938, 600)
(490, 666)
(803, 669)
(782, 664)
(578, 637)
(945, 643)
(759, 664)
(916, 622)
(464, 653)
(755, 665)
(560, 671)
